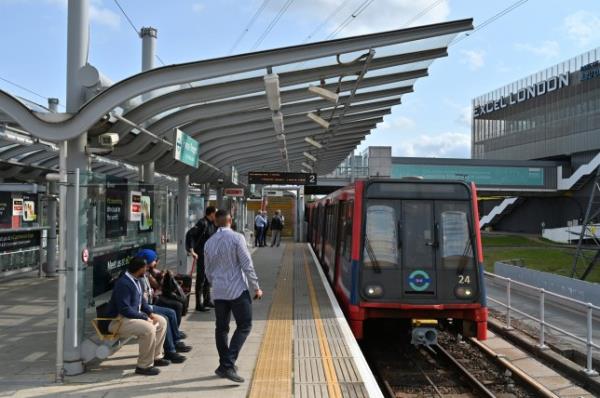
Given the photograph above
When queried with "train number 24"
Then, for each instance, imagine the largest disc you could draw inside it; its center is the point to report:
(464, 279)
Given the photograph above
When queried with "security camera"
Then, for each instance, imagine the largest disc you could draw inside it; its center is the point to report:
(108, 140)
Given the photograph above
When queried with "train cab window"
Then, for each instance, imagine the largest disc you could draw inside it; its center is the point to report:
(456, 245)
(381, 237)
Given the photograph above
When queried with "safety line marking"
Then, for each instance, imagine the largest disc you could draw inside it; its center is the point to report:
(333, 386)
(273, 372)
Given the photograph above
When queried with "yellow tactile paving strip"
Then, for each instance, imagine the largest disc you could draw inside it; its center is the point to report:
(273, 372)
(333, 386)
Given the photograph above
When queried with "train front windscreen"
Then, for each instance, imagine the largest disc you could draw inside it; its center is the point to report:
(418, 243)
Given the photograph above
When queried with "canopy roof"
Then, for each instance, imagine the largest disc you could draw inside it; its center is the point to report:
(223, 104)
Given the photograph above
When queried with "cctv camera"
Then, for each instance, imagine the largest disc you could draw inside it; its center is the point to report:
(108, 140)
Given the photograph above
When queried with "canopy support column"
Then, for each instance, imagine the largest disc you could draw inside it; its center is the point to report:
(182, 222)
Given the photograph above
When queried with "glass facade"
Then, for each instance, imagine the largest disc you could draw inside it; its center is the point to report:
(547, 115)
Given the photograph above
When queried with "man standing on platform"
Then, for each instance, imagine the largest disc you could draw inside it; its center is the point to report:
(231, 273)
(199, 235)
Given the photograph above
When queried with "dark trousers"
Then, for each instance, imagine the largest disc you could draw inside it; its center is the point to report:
(172, 335)
(259, 231)
(241, 308)
(202, 285)
(173, 304)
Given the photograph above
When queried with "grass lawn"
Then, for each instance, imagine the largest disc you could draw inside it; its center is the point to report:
(534, 254)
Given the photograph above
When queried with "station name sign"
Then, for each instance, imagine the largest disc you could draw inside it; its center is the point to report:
(187, 149)
(275, 178)
(536, 90)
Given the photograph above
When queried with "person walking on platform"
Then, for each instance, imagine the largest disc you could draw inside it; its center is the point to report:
(136, 318)
(276, 227)
(198, 236)
(230, 270)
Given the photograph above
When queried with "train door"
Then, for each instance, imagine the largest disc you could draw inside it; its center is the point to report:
(419, 243)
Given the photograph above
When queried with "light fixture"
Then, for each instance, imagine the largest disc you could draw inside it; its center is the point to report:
(313, 142)
(278, 122)
(272, 90)
(306, 165)
(324, 93)
(309, 156)
(318, 119)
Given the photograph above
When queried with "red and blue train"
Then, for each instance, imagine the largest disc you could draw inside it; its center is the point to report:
(403, 249)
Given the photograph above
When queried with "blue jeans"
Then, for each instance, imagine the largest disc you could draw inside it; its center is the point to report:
(241, 308)
(172, 335)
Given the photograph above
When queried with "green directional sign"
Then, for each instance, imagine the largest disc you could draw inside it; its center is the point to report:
(187, 149)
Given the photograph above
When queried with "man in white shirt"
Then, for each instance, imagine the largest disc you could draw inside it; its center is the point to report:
(230, 271)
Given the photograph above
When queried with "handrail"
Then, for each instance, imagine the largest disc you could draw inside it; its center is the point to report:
(541, 294)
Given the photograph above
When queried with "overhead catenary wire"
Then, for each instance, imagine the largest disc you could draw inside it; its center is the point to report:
(359, 10)
(423, 12)
(137, 32)
(272, 24)
(326, 21)
(490, 20)
(249, 25)
(23, 88)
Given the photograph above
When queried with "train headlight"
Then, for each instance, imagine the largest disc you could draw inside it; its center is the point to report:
(464, 292)
(373, 291)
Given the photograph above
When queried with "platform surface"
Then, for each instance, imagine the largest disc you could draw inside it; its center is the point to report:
(298, 344)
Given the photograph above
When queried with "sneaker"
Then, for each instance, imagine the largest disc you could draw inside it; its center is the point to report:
(151, 371)
(162, 362)
(182, 335)
(180, 346)
(175, 357)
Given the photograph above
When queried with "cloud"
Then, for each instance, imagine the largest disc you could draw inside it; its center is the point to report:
(583, 27)
(473, 58)
(548, 48)
(198, 7)
(398, 123)
(381, 15)
(445, 145)
(98, 13)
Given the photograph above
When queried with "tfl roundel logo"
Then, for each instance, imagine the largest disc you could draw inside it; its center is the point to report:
(419, 280)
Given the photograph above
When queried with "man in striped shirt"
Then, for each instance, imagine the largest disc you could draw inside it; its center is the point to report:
(230, 271)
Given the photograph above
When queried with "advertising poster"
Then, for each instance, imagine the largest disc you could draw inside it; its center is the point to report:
(29, 211)
(17, 207)
(10, 241)
(135, 206)
(5, 209)
(147, 202)
(115, 222)
(108, 267)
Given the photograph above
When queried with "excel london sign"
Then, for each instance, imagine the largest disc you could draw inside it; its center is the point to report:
(536, 90)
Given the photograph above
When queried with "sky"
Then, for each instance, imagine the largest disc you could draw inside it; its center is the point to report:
(434, 121)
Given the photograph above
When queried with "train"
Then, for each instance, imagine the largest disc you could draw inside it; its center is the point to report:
(405, 249)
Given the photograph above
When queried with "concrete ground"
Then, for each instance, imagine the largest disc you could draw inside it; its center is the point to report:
(28, 341)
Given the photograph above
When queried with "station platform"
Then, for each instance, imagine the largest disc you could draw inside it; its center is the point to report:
(300, 344)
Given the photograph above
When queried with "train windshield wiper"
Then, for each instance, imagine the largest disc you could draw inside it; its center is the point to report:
(372, 256)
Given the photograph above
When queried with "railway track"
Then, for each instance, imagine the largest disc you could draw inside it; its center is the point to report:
(450, 369)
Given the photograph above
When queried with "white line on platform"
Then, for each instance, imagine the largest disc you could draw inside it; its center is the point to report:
(359, 359)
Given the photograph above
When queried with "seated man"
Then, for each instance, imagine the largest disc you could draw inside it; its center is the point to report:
(173, 340)
(137, 319)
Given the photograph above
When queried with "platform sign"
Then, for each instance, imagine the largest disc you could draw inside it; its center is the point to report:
(276, 178)
(234, 192)
(187, 149)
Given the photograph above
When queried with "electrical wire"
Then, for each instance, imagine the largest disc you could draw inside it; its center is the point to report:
(247, 28)
(361, 8)
(137, 32)
(490, 20)
(423, 12)
(329, 18)
(23, 88)
(272, 24)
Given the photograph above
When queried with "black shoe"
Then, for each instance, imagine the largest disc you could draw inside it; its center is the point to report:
(182, 335)
(175, 357)
(202, 309)
(182, 347)
(232, 375)
(151, 371)
(162, 362)
(210, 304)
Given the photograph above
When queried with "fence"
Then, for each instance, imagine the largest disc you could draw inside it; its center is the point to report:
(540, 293)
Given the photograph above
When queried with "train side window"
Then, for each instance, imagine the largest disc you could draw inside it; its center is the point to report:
(456, 247)
(381, 237)
(347, 230)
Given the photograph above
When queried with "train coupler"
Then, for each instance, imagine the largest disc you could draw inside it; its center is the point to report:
(424, 332)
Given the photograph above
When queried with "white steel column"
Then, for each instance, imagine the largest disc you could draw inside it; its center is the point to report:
(182, 221)
(77, 49)
(148, 36)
